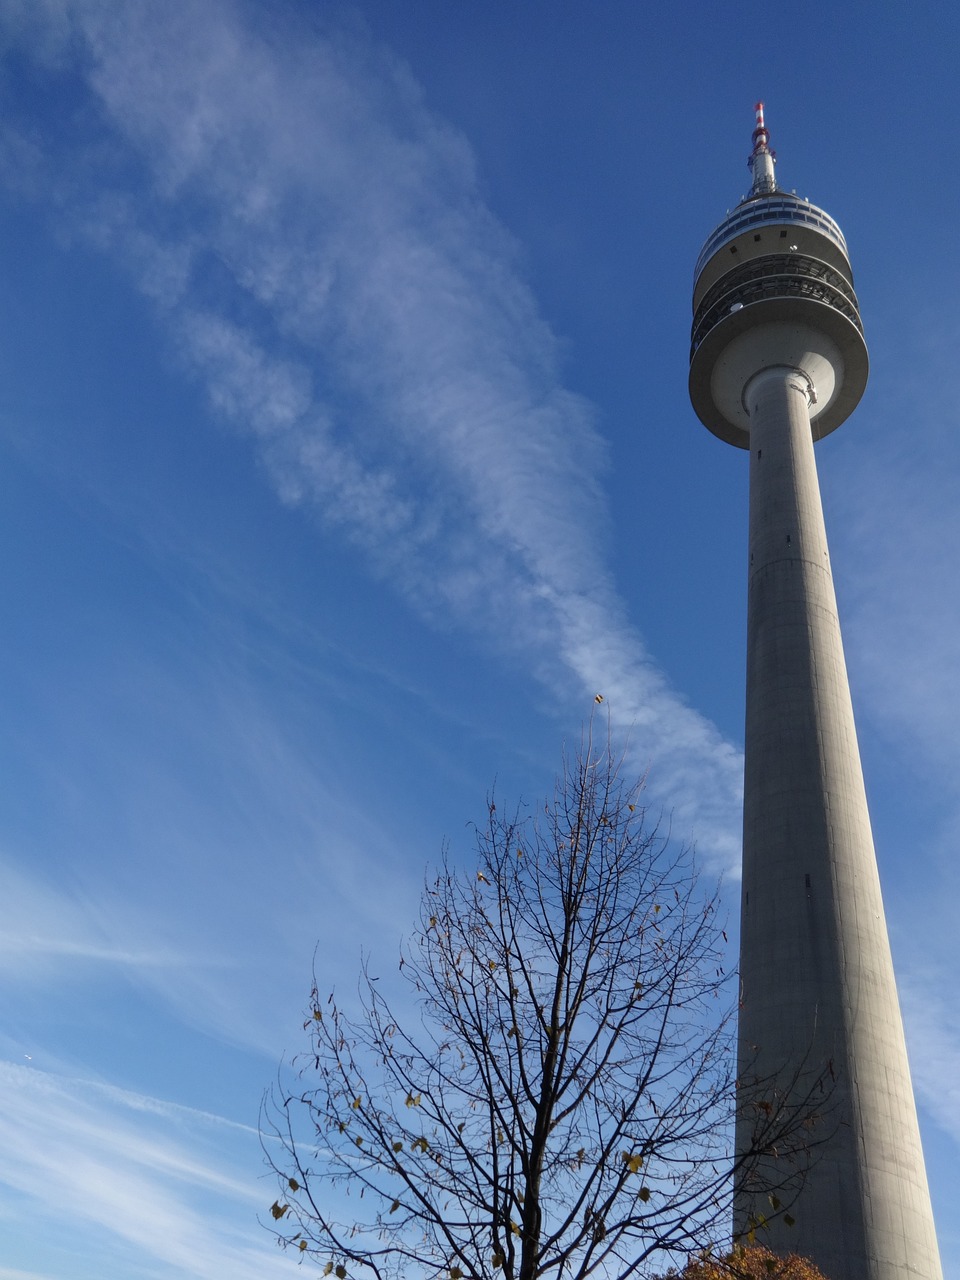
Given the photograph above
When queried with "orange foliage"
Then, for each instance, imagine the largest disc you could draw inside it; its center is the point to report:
(752, 1263)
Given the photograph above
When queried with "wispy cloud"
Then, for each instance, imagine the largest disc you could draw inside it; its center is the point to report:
(934, 1048)
(899, 528)
(157, 1176)
(319, 245)
(7, 1274)
(184, 891)
(40, 927)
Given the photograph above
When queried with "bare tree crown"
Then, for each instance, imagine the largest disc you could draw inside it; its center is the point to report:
(560, 1102)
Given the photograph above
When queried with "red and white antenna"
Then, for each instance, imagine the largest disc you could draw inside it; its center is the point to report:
(762, 159)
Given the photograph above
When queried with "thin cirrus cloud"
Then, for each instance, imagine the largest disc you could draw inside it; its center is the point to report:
(899, 529)
(319, 246)
(154, 1174)
(935, 1049)
(42, 927)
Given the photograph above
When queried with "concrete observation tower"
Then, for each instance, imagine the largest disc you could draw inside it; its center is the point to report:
(777, 361)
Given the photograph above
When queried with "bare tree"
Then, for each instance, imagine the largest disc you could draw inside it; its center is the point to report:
(561, 1100)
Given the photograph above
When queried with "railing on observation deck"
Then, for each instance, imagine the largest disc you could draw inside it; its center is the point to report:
(774, 276)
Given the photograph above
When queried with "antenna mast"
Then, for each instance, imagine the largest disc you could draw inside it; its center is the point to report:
(762, 159)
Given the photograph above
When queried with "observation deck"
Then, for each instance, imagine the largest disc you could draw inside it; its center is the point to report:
(782, 209)
(773, 286)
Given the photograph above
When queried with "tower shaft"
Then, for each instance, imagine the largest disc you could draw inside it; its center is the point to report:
(819, 998)
(778, 360)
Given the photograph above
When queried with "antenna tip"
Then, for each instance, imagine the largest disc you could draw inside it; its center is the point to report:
(761, 135)
(762, 159)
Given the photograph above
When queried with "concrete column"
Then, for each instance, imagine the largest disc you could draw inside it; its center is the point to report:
(818, 991)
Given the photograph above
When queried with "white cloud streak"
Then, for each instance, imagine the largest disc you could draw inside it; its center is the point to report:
(151, 1173)
(40, 927)
(320, 247)
(900, 528)
(934, 1049)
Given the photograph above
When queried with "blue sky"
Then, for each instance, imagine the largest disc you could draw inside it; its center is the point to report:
(345, 453)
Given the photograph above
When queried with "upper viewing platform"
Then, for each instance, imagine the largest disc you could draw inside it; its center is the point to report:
(782, 209)
(773, 286)
(766, 221)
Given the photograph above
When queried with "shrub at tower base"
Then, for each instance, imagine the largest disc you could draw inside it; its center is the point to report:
(557, 1098)
(754, 1263)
